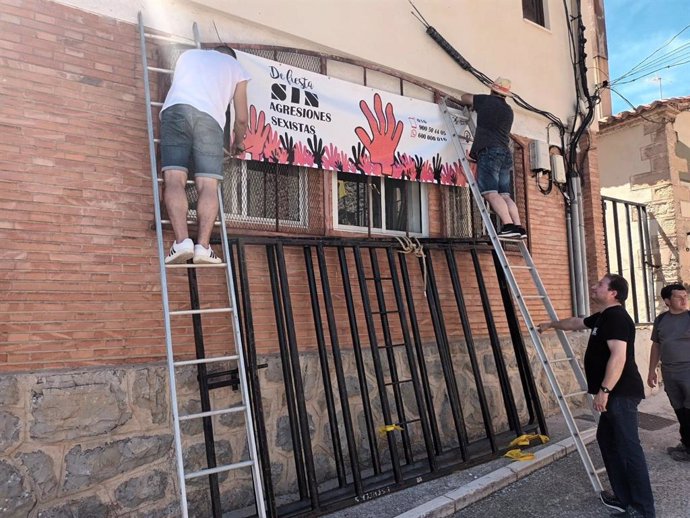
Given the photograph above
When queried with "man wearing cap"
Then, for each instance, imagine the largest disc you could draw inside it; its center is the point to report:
(491, 150)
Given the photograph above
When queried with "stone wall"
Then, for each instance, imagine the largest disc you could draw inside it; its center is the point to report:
(98, 442)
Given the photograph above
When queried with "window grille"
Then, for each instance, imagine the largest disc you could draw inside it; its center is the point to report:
(270, 197)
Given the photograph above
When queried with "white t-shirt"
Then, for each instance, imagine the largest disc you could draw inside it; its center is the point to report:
(206, 80)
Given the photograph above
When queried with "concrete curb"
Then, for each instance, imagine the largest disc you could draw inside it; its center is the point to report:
(468, 494)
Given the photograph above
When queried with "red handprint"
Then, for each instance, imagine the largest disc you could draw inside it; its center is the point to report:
(386, 134)
(257, 134)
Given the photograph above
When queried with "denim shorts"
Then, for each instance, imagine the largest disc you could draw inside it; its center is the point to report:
(494, 170)
(191, 141)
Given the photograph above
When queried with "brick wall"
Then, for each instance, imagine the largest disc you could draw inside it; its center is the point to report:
(594, 220)
(79, 268)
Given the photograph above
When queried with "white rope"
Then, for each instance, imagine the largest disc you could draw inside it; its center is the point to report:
(415, 248)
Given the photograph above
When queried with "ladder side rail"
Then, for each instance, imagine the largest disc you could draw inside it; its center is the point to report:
(161, 265)
(563, 338)
(241, 364)
(500, 252)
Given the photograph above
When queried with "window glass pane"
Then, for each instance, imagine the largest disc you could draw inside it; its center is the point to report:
(352, 201)
(403, 205)
(533, 10)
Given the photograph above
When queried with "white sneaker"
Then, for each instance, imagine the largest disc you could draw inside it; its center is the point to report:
(205, 255)
(180, 252)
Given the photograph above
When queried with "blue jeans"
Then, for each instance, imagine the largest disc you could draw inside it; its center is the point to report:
(626, 466)
(191, 141)
(494, 170)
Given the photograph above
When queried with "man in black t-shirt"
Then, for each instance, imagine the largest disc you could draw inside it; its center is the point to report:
(491, 150)
(615, 382)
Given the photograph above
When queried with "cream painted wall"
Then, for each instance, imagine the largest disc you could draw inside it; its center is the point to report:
(620, 158)
(491, 34)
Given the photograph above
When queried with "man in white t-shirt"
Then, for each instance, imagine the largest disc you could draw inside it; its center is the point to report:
(192, 122)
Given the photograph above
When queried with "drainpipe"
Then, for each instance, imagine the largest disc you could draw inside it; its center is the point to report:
(571, 259)
(583, 250)
(578, 252)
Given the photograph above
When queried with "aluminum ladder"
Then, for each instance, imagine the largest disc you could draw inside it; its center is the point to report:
(200, 362)
(579, 436)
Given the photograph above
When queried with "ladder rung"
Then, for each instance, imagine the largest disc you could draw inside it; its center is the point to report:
(160, 70)
(574, 394)
(156, 103)
(219, 469)
(200, 311)
(561, 360)
(157, 140)
(520, 267)
(182, 363)
(162, 180)
(172, 39)
(533, 296)
(213, 412)
(600, 471)
(189, 222)
(192, 265)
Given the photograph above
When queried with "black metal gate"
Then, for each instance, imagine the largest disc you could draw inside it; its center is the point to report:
(414, 343)
(628, 253)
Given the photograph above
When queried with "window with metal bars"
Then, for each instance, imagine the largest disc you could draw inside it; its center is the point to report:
(263, 192)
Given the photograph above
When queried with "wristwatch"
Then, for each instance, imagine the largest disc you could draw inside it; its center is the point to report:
(605, 390)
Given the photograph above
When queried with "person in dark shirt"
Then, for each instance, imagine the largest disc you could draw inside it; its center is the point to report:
(615, 382)
(491, 150)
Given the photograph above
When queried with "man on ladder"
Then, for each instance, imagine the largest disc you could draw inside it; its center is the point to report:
(615, 382)
(192, 122)
(492, 152)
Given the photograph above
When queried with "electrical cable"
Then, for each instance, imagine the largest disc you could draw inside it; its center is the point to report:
(661, 122)
(577, 48)
(633, 69)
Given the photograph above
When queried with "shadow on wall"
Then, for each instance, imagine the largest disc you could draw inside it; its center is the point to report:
(657, 238)
(683, 152)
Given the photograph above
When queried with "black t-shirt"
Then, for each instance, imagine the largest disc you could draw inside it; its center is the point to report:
(613, 323)
(494, 120)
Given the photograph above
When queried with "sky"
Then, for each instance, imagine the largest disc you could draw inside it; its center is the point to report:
(637, 28)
